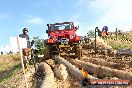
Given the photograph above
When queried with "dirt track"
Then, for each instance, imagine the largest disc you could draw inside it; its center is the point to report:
(72, 82)
(66, 72)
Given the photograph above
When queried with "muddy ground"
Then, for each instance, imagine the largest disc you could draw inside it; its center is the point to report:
(65, 79)
(72, 82)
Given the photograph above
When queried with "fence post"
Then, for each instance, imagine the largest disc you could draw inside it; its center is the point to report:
(116, 33)
(95, 38)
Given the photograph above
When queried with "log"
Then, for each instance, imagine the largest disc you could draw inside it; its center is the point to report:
(102, 62)
(102, 71)
(61, 72)
(125, 52)
(49, 80)
(72, 69)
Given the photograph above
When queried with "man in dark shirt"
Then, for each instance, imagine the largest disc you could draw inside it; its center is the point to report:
(25, 35)
(26, 51)
(105, 29)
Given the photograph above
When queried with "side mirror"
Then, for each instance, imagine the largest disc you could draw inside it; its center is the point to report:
(46, 31)
(48, 25)
(77, 27)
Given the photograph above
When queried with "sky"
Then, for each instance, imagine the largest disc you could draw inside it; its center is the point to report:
(88, 14)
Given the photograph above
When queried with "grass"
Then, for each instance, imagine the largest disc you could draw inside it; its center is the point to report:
(6, 65)
(118, 44)
(10, 57)
(9, 67)
(7, 74)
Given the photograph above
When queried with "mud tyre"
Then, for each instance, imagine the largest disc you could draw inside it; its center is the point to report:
(47, 52)
(79, 51)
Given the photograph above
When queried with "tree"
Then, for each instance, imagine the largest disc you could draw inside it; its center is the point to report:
(91, 33)
(39, 44)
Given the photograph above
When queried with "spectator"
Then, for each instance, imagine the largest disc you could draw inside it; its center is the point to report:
(26, 51)
(25, 35)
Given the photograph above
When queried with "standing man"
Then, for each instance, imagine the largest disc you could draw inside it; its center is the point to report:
(25, 35)
(26, 51)
(85, 39)
(105, 30)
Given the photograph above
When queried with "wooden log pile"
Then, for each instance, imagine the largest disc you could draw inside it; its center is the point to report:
(72, 69)
(102, 71)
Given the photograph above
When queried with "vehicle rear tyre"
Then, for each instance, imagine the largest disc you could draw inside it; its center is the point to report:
(47, 52)
(79, 51)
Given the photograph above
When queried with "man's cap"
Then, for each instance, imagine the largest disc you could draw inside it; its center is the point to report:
(25, 29)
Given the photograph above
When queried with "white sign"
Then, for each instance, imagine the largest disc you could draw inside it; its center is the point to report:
(17, 42)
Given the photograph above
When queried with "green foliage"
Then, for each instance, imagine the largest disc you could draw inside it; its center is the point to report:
(120, 43)
(119, 46)
(91, 33)
(10, 72)
(39, 44)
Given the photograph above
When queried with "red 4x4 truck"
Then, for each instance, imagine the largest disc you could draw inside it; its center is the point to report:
(62, 39)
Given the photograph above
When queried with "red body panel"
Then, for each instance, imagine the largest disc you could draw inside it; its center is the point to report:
(66, 33)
